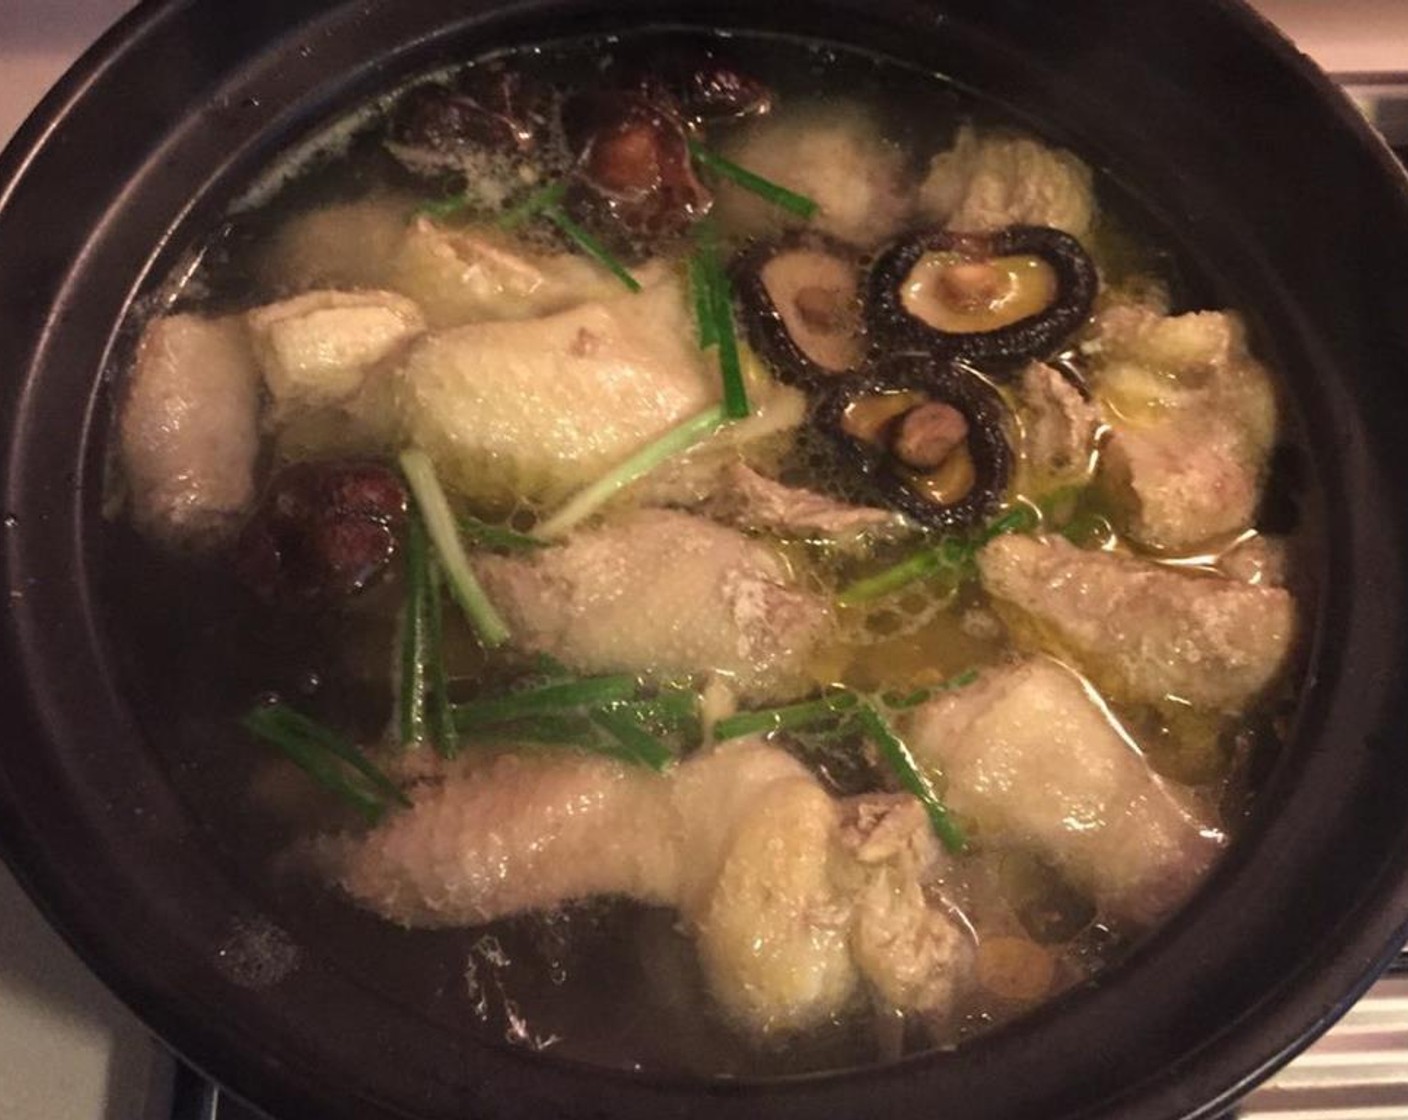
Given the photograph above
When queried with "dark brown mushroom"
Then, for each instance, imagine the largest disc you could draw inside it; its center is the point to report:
(921, 437)
(491, 108)
(633, 173)
(995, 299)
(703, 88)
(801, 300)
(322, 532)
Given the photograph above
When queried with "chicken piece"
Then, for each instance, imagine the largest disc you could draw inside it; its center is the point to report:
(1192, 417)
(750, 500)
(913, 954)
(518, 833)
(343, 245)
(834, 154)
(762, 439)
(533, 410)
(1143, 631)
(711, 794)
(317, 350)
(990, 182)
(1059, 428)
(668, 594)
(793, 904)
(774, 938)
(1028, 755)
(476, 274)
(190, 429)
(1258, 560)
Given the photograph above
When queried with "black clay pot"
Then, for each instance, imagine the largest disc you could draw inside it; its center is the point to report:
(1230, 139)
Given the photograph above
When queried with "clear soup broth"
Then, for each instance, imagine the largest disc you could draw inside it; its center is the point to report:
(715, 555)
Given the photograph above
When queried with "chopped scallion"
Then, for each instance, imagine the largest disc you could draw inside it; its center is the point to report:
(674, 711)
(898, 701)
(954, 555)
(674, 442)
(637, 742)
(440, 717)
(326, 757)
(445, 207)
(557, 697)
(590, 245)
(534, 203)
(919, 566)
(702, 293)
(497, 536)
(1020, 518)
(790, 201)
(414, 636)
(556, 728)
(788, 718)
(898, 757)
(440, 525)
(716, 305)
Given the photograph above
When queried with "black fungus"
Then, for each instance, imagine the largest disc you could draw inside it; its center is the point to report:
(801, 306)
(493, 109)
(871, 421)
(997, 349)
(632, 175)
(322, 532)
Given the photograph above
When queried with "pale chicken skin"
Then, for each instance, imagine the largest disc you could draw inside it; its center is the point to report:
(1060, 429)
(1029, 755)
(751, 500)
(317, 351)
(190, 429)
(1192, 419)
(839, 156)
(475, 275)
(666, 593)
(799, 903)
(985, 182)
(530, 409)
(1143, 631)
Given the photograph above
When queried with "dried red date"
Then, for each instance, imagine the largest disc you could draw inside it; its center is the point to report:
(322, 532)
(633, 166)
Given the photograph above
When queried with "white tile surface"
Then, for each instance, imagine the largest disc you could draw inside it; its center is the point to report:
(1346, 36)
(38, 40)
(68, 1049)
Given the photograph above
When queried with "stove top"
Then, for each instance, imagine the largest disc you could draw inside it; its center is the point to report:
(70, 1051)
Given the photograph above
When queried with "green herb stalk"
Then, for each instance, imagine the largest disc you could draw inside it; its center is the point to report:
(440, 525)
(674, 442)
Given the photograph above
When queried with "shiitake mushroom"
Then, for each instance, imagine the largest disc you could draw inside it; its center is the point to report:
(322, 532)
(703, 88)
(923, 437)
(632, 172)
(801, 300)
(489, 109)
(995, 299)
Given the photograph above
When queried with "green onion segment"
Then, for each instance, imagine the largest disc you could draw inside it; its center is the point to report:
(955, 556)
(440, 525)
(791, 201)
(898, 757)
(326, 757)
(586, 502)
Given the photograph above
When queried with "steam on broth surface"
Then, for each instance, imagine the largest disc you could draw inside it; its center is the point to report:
(764, 579)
